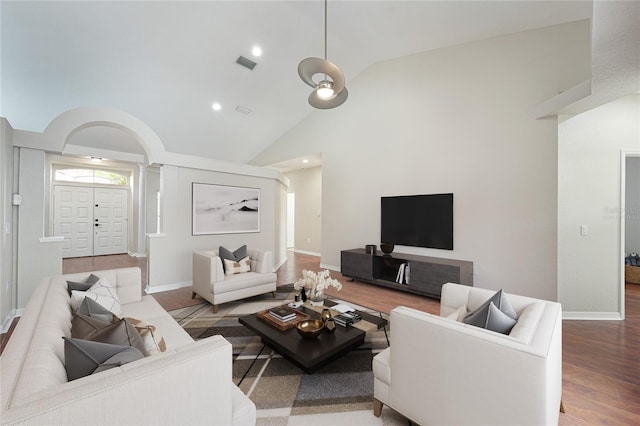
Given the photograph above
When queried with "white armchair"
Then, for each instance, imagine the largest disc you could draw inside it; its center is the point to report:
(441, 371)
(211, 283)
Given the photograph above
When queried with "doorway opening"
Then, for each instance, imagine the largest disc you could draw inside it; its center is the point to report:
(630, 216)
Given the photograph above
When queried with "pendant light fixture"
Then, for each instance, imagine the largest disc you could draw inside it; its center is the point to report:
(330, 91)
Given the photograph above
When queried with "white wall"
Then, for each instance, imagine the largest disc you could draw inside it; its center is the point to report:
(458, 120)
(307, 185)
(37, 257)
(170, 255)
(152, 189)
(589, 183)
(7, 287)
(280, 227)
(632, 205)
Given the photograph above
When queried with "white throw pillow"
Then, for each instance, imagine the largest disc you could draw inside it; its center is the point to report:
(231, 267)
(153, 341)
(102, 292)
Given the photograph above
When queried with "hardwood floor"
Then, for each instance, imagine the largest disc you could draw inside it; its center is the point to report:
(601, 359)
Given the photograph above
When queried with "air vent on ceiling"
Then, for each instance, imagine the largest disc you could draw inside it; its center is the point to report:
(247, 63)
(243, 110)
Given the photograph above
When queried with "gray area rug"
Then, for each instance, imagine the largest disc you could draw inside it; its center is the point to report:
(280, 389)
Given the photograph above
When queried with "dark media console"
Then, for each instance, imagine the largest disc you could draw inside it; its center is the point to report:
(427, 275)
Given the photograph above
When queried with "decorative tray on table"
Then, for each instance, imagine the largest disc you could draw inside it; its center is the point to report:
(282, 325)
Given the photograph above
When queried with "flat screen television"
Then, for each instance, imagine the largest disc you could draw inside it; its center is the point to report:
(418, 220)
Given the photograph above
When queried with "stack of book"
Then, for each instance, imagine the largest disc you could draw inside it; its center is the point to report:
(347, 318)
(282, 313)
(403, 274)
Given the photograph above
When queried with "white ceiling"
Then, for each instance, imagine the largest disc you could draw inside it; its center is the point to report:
(167, 62)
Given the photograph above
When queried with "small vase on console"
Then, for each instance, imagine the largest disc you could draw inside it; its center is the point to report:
(387, 248)
(317, 297)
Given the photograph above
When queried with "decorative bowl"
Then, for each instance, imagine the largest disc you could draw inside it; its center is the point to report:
(310, 328)
(386, 248)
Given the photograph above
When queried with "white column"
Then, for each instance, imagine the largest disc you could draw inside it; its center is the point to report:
(142, 210)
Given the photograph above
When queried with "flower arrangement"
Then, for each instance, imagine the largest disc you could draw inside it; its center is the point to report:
(316, 283)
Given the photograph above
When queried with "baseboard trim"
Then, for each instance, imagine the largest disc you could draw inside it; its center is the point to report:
(310, 253)
(167, 287)
(275, 269)
(132, 254)
(330, 267)
(592, 316)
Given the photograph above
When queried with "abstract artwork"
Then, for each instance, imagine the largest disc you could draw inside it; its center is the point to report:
(220, 209)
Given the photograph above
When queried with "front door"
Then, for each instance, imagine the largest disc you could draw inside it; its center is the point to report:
(93, 221)
(110, 221)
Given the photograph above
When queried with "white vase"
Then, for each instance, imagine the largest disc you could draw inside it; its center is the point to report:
(317, 298)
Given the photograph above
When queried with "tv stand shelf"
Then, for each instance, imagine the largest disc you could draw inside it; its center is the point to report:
(427, 274)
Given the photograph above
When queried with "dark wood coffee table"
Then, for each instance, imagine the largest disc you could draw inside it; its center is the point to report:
(308, 354)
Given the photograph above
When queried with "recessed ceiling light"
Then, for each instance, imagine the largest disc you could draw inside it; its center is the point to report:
(256, 51)
(305, 161)
(216, 106)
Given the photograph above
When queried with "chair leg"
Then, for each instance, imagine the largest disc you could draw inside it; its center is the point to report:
(215, 309)
(273, 293)
(193, 294)
(561, 407)
(377, 407)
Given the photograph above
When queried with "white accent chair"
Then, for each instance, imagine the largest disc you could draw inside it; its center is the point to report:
(210, 282)
(444, 372)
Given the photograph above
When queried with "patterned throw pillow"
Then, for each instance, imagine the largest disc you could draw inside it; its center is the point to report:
(234, 256)
(151, 337)
(231, 267)
(102, 292)
(72, 285)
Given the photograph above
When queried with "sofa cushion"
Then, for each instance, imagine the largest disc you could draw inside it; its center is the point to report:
(84, 286)
(149, 310)
(491, 318)
(528, 322)
(459, 314)
(381, 366)
(242, 281)
(232, 267)
(103, 292)
(83, 357)
(93, 309)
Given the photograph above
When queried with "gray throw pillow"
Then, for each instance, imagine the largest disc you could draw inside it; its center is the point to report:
(235, 256)
(120, 332)
(83, 326)
(500, 300)
(491, 318)
(84, 357)
(119, 359)
(95, 310)
(72, 285)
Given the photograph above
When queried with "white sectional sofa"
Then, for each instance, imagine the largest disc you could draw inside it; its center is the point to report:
(441, 371)
(189, 383)
(211, 283)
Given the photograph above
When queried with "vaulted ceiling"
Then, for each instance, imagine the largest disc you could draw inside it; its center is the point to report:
(167, 62)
